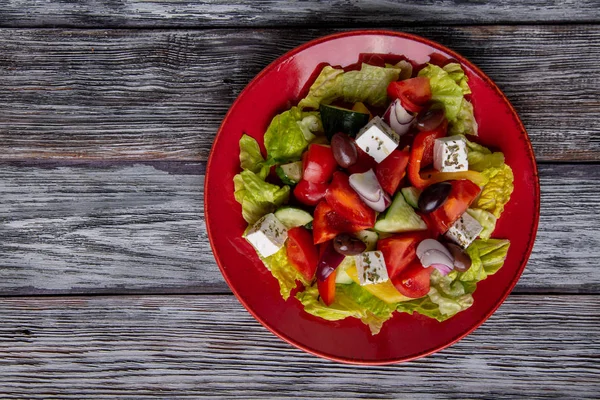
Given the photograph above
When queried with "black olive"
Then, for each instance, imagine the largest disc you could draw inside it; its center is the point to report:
(348, 245)
(343, 149)
(434, 196)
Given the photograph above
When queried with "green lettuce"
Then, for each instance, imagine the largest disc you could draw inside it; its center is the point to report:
(285, 139)
(481, 158)
(251, 158)
(350, 301)
(369, 85)
(457, 74)
(487, 256)
(445, 90)
(465, 123)
(496, 193)
(486, 219)
(447, 297)
(284, 272)
(256, 196)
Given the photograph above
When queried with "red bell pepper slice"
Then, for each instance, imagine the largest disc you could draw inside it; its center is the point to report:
(414, 93)
(327, 289)
(327, 224)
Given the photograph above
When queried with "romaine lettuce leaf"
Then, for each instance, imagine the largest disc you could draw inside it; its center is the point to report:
(465, 123)
(445, 90)
(369, 85)
(256, 196)
(457, 74)
(486, 219)
(284, 272)
(480, 157)
(350, 301)
(496, 193)
(251, 158)
(487, 257)
(285, 138)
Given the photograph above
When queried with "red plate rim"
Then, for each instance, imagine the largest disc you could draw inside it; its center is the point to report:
(462, 60)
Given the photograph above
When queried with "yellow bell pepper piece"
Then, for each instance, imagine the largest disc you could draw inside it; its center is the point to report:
(384, 290)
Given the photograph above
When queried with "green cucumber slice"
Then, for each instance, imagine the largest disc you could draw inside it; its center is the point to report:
(400, 217)
(292, 217)
(411, 195)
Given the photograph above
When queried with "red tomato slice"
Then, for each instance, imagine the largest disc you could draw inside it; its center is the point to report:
(346, 202)
(390, 171)
(327, 224)
(301, 251)
(429, 141)
(363, 163)
(414, 93)
(413, 281)
(461, 196)
(399, 250)
(310, 193)
(319, 164)
(327, 289)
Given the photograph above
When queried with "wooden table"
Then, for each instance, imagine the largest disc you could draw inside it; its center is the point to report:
(108, 110)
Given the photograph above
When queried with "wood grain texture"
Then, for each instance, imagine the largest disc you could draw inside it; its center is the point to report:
(138, 95)
(221, 13)
(135, 228)
(209, 346)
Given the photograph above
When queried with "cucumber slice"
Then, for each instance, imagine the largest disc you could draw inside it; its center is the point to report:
(400, 217)
(338, 119)
(291, 173)
(292, 217)
(411, 195)
(370, 238)
(341, 276)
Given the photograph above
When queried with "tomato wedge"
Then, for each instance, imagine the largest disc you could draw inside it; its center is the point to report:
(414, 93)
(399, 250)
(319, 164)
(346, 202)
(462, 194)
(327, 289)
(301, 251)
(310, 193)
(413, 281)
(327, 224)
(429, 141)
(390, 171)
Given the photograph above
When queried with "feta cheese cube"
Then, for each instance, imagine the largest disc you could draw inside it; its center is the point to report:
(464, 230)
(377, 139)
(450, 154)
(371, 268)
(267, 235)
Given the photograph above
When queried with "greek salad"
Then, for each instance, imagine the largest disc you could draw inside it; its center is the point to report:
(374, 195)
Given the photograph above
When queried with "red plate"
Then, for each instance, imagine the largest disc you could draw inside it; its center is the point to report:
(404, 337)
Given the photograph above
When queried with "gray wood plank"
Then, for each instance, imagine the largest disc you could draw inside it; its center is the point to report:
(135, 228)
(208, 346)
(221, 13)
(136, 94)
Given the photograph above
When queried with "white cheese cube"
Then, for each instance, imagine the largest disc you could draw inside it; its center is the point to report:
(371, 268)
(267, 235)
(377, 139)
(450, 154)
(464, 230)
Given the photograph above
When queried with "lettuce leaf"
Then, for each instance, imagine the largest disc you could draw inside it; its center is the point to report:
(486, 219)
(481, 158)
(496, 193)
(256, 196)
(369, 85)
(465, 123)
(284, 272)
(284, 139)
(457, 74)
(447, 297)
(487, 257)
(350, 301)
(251, 158)
(445, 90)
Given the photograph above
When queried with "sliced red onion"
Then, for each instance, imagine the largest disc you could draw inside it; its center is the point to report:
(433, 257)
(442, 268)
(398, 118)
(366, 185)
(379, 205)
(429, 244)
(328, 262)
